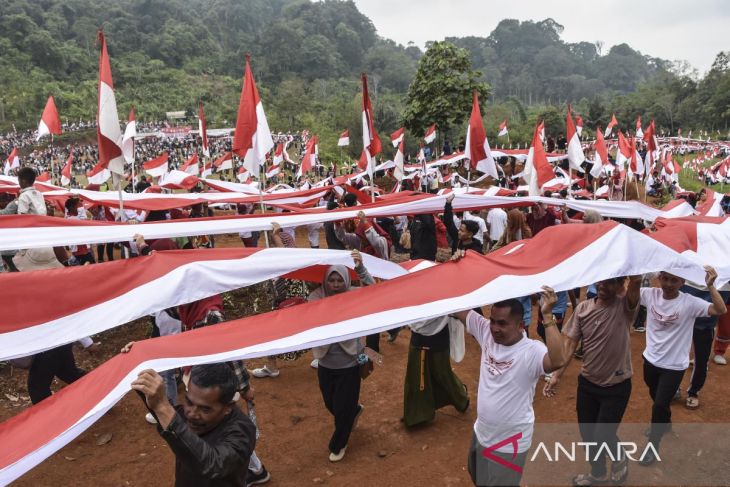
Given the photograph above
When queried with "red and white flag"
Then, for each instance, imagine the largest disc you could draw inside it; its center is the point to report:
(66, 171)
(477, 146)
(601, 156)
(243, 176)
(309, 161)
(611, 125)
(207, 169)
(98, 175)
(158, 166)
(636, 164)
(344, 139)
(108, 133)
(50, 121)
(575, 150)
(579, 125)
(224, 162)
(192, 165)
(639, 132)
(203, 130)
(43, 177)
(252, 140)
(398, 171)
(651, 148)
(503, 129)
(130, 131)
(370, 140)
(623, 153)
(538, 170)
(397, 137)
(279, 154)
(176, 180)
(430, 134)
(12, 162)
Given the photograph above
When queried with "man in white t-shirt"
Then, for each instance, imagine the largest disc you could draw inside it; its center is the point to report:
(511, 365)
(497, 222)
(670, 317)
(479, 221)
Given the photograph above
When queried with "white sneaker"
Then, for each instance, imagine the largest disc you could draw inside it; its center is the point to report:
(150, 419)
(265, 371)
(336, 457)
(719, 360)
(314, 364)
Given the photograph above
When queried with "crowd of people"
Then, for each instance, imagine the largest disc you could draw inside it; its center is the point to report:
(206, 414)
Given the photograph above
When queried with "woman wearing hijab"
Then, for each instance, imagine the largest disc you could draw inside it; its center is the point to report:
(338, 370)
(516, 229)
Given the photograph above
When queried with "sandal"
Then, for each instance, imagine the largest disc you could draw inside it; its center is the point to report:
(693, 402)
(588, 479)
(620, 471)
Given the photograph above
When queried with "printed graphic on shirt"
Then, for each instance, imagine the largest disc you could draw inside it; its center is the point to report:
(496, 367)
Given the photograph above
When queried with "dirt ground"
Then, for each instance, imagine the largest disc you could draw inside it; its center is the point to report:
(295, 426)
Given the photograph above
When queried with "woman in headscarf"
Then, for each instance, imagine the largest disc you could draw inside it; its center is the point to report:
(338, 368)
(517, 229)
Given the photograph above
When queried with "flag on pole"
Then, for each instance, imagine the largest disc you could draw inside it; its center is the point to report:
(203, 129)
(538, 170)
(192, 165)
(639, 132)
(224, 162)
(579, 125)
(399, 160)
(430, 135)
(12, 162)
(243, 175)
(601, 156)
(98, 174)
(108, 133)
(252, 140)
(651, 148)
(279, 154)
(207, 169)
(611, 125)
(503, 129)
(397, 137)
(344, 139)
(370, 140)
(50, 121)
(130, 131)
(66, 171)
(477, 147)
(43, 177)
(158, 166)
(575, 151)
(310, 157)
(623, 153)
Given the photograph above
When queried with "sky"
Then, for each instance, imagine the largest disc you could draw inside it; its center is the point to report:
(694, 31)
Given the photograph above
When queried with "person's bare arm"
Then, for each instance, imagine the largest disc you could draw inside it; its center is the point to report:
(717, 307)
(553, 359)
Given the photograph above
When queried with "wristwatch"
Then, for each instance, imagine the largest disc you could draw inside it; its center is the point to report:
(551, 322)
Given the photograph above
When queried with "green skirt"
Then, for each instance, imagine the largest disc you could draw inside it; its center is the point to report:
(430, 384)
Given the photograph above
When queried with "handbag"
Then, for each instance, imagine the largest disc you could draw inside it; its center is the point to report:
(366, 369)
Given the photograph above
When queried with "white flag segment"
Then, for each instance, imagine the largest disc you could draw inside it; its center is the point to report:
(207, 170)
(12, 162)
(66, 171)
(601, 155)
(243, 176)
(639, 132)
(108, 133)
(203, 130)
(575, 150)
(191, 166)
(344, 139)
(130, 131)
(623, 153)
(223, 162)
(370, 140)
(399, 161)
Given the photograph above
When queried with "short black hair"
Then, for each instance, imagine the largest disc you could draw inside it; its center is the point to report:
(332, 205)
(350, 199)
(216, 375)
(27, 175)
(471, 226)
(516, 310)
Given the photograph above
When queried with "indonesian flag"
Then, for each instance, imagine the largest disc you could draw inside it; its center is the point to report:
(273, 171)
(430, 135)
(157, 167)
(202, 128)
(639, 132)
(128, 140)
(50, 121)
(252, 140)
(397, 137)
(192, 165)
(601, 157)
(43, 177)
(636, 164)
(224, 162)
(310, 157)
(370, 140)
(623, 154)
(108, 133)
(66, 171)
(12, 162)
(399, 161)
(177, 180)
(243, 176)
(477, 146)
(611, 125)
(538, 170)
(207, 169)
(344, 139)
(651, 148)
(278, 159)
(579, 125)
(503, 129)
(98, 175)
(575, 151)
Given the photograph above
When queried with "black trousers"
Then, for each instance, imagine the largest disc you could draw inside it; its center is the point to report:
(640, 317)
(486, 472)
(663, 384)
(56, 362)
(109, 252)
(702, 340)
(8, 260)
(341, 392)
(373, 341)
(600, 410)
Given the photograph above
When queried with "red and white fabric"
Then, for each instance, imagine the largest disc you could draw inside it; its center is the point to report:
(398, 161)
(207, 170)
(579, 125)
(130, 132)
(98, 175)
(243, 176)
(203, 131)
(12, 162)
(611, 125)
(639, 132)
(309, 161)
(538, 170)
(600, 162)
(178, 180)
(66, 171)
(575, 149)
(477, 146)
(430, 134)
(191, 166)
(50, 121)
(344, 139)
(397, 137)
(503, 129)
(158, 166)
(224, 162)
(108, 133)
(370, 140)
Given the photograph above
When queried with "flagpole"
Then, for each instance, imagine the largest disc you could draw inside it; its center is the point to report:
(262, 184)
